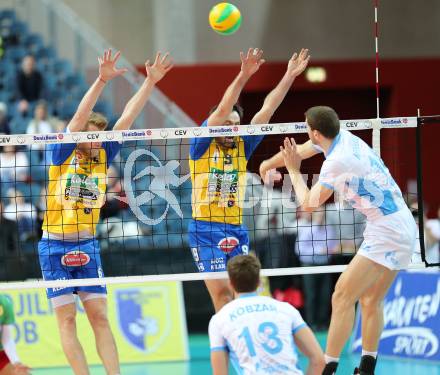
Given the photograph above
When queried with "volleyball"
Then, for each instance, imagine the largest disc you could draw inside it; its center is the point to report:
(225, 18)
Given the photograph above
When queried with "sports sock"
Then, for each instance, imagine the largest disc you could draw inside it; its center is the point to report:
(329, 359)
(372, 354)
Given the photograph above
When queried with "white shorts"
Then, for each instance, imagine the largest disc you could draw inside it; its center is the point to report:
(66, 299)
(390, 240)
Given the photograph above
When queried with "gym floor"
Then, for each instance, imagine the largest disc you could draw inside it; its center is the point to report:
(199, 364)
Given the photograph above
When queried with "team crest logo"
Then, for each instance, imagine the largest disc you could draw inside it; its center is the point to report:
(144, 317)
(228, 244)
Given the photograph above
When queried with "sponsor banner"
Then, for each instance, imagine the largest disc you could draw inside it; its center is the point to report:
(356, 124)
(131, 135)
(147, 320)
(411, 317)
(399, 122)
(5, 139)
(211, 131)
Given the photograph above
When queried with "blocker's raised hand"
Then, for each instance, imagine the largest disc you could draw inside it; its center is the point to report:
(292, 158)
(252, 61)
(298, 63)
(160, 67)
(107, 66)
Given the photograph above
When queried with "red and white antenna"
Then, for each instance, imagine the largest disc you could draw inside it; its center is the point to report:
(376, 39)
(376, 123)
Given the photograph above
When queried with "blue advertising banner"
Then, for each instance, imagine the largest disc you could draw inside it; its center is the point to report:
(411, 317)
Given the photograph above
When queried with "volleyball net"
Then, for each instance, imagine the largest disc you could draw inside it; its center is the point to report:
(142, 219)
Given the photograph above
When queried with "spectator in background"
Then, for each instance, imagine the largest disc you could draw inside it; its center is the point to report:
(4, 121)
(14, 165)
(41, 123)
(29, 84)
(8, 234)
(41, 210)
(349, 225)
(23, 213)
(315, 243)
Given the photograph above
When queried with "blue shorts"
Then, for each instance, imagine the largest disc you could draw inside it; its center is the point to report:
(213, 244)
(62, 260)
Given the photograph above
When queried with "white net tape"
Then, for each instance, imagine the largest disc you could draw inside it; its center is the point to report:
(199, 132)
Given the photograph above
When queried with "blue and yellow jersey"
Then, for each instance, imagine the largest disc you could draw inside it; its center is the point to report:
(218, 177)
(76, 188)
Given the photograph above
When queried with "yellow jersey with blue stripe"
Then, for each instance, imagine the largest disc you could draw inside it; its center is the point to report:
(218, 177)
(76, 189)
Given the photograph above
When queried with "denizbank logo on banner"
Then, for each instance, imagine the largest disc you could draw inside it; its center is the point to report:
(411, 318)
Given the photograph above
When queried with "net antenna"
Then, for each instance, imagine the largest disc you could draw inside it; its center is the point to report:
(376, 123)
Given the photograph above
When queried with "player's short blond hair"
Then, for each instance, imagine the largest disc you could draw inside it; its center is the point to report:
(98, 120)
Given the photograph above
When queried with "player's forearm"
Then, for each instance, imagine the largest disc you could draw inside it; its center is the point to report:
(135, 105)
(305, 150)
(219, 363)
(229, 98)
(277, 95)
(9, 344)
(233, 92)
(302, 192)
(79, 120)
(276, 161)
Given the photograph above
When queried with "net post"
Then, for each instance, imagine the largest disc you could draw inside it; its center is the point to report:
(420, 187)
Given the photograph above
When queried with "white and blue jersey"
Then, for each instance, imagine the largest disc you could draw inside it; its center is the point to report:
(359, 176)
(257, 332)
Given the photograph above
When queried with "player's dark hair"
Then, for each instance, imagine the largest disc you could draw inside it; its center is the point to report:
(244, 273)
(237, 108)
(324, 119)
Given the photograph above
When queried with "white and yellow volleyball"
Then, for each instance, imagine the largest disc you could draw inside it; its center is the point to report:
(225, 18)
